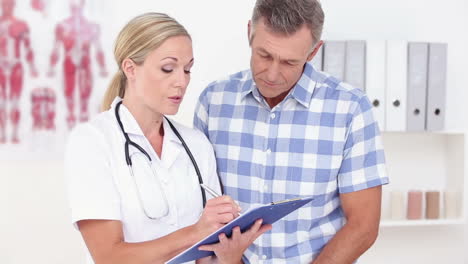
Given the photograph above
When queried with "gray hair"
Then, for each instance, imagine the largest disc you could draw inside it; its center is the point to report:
(288, 16)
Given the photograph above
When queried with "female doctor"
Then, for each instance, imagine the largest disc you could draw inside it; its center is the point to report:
(133, 175)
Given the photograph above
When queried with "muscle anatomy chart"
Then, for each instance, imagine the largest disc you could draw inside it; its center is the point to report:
(43, 109)
(40, 6)
(78, 38)
(14, 40)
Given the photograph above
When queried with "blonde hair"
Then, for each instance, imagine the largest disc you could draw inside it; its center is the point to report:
(135, 41)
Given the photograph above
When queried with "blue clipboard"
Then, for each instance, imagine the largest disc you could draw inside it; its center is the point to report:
(270, 213)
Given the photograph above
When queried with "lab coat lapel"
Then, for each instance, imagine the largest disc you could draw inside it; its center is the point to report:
(172, 147)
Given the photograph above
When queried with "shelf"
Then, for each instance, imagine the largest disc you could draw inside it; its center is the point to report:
(424, 161)
(439, 222)
(447, 132)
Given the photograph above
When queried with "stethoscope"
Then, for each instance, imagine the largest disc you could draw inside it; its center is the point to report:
(129, 142)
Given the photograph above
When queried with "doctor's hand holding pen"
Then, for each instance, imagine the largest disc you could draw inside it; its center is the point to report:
(228, 250)
(217, 212)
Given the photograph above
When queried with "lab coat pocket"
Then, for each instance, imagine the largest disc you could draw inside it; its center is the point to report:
(149, 188)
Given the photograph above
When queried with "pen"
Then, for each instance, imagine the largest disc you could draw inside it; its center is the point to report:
(211, 191)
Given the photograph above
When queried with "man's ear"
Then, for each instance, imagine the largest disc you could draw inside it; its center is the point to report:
(316, 49)
(249, 29)
(129, 68)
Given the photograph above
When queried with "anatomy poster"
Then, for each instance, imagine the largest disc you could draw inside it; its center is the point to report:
(53, 72)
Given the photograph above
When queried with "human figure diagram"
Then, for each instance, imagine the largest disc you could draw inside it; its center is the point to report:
(14, 38)
(77, 36)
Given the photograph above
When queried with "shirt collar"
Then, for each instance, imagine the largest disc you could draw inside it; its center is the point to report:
(247, 83)
(301, 92)
(305, 87)
(130, 125)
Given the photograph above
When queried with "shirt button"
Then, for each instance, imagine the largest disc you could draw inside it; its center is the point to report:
(268, 151)
(264, 257)
(273, 116)
(265, 187)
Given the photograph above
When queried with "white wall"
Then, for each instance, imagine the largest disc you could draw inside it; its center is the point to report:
(34, 225)
(37, 228)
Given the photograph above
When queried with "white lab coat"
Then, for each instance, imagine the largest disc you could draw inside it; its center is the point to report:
(100, 185)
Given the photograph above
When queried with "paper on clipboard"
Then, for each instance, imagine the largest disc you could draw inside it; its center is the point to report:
(270, 213)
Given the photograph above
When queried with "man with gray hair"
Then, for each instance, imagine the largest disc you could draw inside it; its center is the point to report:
(283, 129)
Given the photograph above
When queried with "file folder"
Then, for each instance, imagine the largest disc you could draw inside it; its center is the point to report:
(355, 64)
(334, 58)
(376, 66)
(270, 213)
(396, 94)
(417, 85)
(436, 86)
(317, 60)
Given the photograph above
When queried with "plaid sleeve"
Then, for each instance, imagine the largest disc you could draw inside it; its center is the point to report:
(200, 118)
(363, 164)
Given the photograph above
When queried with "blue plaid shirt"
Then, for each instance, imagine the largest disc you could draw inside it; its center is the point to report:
(321, 140)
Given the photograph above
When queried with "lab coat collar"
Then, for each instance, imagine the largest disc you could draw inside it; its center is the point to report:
(169, 133)
(172, 146)
(129, 123)
(131, 126)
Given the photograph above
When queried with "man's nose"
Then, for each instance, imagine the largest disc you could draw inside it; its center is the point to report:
(273, 72)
